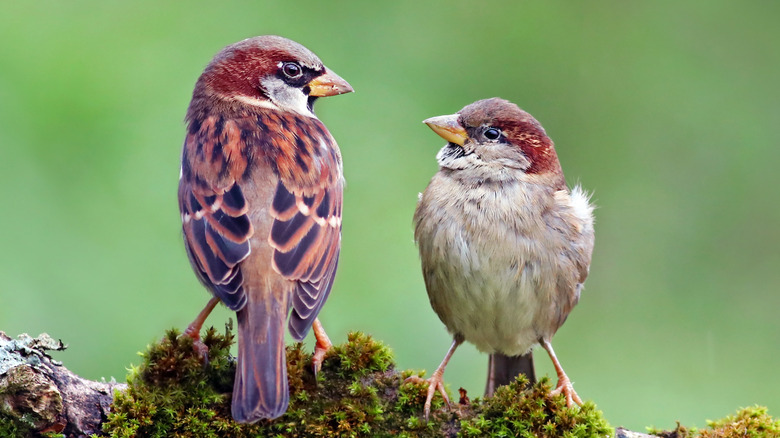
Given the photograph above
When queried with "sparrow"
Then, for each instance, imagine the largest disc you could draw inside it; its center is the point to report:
(505, 246)
(260, 195)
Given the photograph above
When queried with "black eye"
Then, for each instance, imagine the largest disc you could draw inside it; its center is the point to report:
(492, 133)
(292, 70)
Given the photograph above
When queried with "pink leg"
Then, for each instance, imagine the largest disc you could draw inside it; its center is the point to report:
(321, 347)
(564, 385)
(436, 381)
(193, 330)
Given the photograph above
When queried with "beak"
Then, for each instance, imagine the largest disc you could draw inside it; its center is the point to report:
(448, 128)
(329, 84)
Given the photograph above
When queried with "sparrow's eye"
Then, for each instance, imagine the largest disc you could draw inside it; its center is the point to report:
(292, 70)
(492, 133)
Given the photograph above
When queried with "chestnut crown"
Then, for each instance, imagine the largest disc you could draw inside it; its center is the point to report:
(268, 71)
(497, 132)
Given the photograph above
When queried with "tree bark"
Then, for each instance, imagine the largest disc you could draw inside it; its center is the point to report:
(44, 396)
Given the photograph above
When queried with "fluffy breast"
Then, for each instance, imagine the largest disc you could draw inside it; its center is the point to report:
(498, 259)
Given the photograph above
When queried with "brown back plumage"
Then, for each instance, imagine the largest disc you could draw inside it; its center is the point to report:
(260, 196)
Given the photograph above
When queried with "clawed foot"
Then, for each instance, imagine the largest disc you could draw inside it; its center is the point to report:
(319, 356)
(565, 387)
(193, 331)
(435, 383)
(322, 346)
(200, 348)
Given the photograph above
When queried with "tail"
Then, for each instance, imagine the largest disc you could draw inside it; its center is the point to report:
(503, 370)
(260, 389)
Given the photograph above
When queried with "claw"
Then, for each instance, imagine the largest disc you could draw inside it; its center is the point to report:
(564, 385)
(193, 331)
(435, 383)
(567, 389)
(322, 346)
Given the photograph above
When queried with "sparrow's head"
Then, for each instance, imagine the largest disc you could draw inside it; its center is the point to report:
(495, 135)
(269, 71)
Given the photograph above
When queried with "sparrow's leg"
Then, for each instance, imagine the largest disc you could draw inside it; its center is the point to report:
(321, 347)
(193, 330)
(564, 385)
(436, 381)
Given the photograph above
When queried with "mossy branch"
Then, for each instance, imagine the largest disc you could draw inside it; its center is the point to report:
(358, 393)
(39, 396)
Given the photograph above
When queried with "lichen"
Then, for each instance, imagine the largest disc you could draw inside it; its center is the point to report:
(28, 401)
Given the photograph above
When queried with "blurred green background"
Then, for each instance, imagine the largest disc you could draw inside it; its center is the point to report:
(668, 112)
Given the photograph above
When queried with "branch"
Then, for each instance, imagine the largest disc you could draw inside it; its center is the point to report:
(43, 396)
(358, 393)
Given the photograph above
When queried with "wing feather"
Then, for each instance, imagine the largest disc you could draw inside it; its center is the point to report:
(219, 155)
(215, 223)
(306, 233)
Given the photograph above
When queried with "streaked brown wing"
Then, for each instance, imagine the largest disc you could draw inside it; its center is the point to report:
(306, 233)
(214, 211)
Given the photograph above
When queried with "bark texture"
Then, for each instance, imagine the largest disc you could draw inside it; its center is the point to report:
(44, 395)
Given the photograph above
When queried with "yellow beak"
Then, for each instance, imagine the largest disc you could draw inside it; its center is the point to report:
(329, 84)
(448, 128)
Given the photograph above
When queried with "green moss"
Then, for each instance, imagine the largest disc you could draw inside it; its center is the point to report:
(11, 426)
(752, 422)
(679, 432)
(532, 412)
(172, 393)
(354, 395)
(360, 356)
(358, 393)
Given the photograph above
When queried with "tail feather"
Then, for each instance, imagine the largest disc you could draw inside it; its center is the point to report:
(503, 370)
(260, 389)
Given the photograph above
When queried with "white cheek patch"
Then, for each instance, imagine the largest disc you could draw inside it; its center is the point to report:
(286, 97)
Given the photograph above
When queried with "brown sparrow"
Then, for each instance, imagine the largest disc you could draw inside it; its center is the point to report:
(505, 245)
(260, 195)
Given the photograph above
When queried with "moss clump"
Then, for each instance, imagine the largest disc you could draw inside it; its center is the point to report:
(679, 432)
(532, 412)
(358, 393)
(354, 395)
(172, 393)
(359, 357)
(11, 426)
(752, 422)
